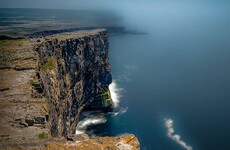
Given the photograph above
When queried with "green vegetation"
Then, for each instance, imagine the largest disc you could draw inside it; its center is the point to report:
(17, 53)
(106, 98)
(49, 64)
(42, 136)
(14, 42)
(35, 83)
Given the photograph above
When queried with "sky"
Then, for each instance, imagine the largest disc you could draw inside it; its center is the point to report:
(130, 10)
(84, 4)
(56, 4)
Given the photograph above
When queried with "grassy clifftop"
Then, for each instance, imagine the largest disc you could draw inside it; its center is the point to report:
(17, 54)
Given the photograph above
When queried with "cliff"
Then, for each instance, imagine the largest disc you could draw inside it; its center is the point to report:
(72, 71)
(75, 74)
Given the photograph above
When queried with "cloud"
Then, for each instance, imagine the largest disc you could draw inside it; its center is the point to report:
(175, 137)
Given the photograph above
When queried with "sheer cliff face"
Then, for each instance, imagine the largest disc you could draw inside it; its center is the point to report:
(73, 69)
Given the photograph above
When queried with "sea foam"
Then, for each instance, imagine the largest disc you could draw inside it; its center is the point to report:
(175, 137)
(94, 118)
(115, 93)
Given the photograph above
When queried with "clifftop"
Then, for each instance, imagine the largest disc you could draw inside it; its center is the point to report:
(77, 34)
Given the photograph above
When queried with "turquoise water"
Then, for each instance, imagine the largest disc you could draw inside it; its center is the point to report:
(179, 71)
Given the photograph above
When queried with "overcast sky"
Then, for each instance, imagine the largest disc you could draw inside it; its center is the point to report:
(84, 4)
(58, 4)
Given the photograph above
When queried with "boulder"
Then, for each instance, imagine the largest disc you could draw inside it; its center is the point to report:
(40, 120)
(29, 121)
(77, 137)
(24, 124)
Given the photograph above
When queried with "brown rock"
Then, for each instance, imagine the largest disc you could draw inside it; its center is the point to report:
(29, 121)
(77, 137)
(40, 120)
(23, 124)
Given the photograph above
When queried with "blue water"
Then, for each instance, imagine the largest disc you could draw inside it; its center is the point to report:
(180, 70)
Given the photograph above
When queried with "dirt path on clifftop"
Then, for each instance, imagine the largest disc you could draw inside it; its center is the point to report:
(16, 105)
(22, 118)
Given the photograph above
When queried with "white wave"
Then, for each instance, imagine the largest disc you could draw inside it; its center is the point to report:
(93, 119)
(115, 114)
(89, 121)
(115, 92)
(123, 110)
(175, 137)
(119, 112)
(79, 131)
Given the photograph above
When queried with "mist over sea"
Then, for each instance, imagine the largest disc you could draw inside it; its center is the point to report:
(171, 85)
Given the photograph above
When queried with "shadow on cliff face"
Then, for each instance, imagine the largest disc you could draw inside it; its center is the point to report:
(89, 120)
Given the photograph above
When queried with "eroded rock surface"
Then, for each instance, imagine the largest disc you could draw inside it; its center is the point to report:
(18, 109)
(74, 69)
(125, 142)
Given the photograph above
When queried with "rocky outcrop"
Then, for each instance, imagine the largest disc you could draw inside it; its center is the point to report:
(83, 142)
(74, 72)
(126, 142)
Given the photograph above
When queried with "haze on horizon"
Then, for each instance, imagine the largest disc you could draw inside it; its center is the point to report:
(90, 4)
(137, 14)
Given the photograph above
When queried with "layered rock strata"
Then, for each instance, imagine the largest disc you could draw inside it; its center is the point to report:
(75, 74)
